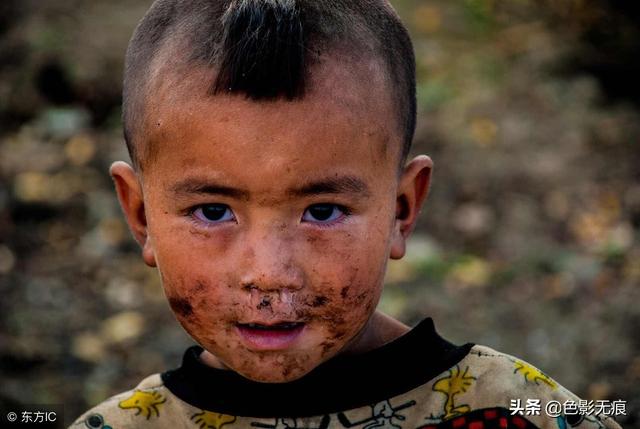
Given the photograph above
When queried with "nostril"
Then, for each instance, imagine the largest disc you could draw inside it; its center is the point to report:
(249, 287)
(264, 302)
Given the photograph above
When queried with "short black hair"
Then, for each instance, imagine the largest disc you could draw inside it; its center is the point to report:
(263, 49)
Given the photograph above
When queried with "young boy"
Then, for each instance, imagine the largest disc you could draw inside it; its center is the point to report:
(269, 186)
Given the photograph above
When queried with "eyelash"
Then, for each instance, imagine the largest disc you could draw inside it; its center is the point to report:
(202, 220)
(326, 224)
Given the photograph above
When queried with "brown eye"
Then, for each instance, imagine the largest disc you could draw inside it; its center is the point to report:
(214, 213)
(323, 213)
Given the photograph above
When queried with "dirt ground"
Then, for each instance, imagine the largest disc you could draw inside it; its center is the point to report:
(528, 242)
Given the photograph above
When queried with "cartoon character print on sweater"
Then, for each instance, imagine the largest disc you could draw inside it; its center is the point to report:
(456, 382)
(532, 374)
(95, 421)
(291, 423)
(210, 420)
(570, 421)
(383, 415)
(529, 374)
(487, 418)
(147, 403)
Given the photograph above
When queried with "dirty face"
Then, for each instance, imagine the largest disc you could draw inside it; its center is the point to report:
(271, 222)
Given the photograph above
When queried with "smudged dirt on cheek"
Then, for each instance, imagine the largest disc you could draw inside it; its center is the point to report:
(200, 287)
(195, 292)
(181, 307)
(193, 302)
(345, 292)
(342, 311)
(212, 333)
(319, 301)
(185, 311)
(190, 322)
(182, 298)
(340, 300)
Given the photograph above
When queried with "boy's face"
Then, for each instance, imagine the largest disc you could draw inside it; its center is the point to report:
(271, 222)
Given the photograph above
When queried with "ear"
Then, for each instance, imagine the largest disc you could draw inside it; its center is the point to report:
(413, 188)
(131, 199)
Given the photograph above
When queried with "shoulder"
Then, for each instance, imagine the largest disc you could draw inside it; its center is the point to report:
(138, 407)
(499, 380)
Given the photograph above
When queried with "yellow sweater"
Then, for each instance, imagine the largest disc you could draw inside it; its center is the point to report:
(419, 381)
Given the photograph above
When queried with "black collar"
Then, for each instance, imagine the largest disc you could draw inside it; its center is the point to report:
(343, 383)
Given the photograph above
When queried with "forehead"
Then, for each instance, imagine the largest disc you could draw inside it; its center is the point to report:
(346, 114)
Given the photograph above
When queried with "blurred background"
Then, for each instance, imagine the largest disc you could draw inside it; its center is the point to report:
(528, 243)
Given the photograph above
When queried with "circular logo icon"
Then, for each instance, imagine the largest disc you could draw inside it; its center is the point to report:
(12, 417)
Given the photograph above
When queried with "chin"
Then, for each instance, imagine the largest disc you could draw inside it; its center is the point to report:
(288, 370)
(274, 377)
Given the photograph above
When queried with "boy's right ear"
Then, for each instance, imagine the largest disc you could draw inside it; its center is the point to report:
(131, 199)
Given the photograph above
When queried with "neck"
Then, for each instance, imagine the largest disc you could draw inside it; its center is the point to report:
(379, 330)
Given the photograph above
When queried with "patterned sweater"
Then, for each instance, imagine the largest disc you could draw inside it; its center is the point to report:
(419, 381)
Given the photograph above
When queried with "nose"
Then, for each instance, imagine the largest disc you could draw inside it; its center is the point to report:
(270, 263)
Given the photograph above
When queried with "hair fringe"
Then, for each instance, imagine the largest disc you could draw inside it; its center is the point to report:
(263, 48)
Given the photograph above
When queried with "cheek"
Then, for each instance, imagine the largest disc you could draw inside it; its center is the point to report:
(179, 242)
(201, 306)
(190, 300)
(190, 263)
(345, 287)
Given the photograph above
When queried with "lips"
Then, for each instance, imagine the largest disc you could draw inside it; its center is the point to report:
(284, 326)
(272, 336)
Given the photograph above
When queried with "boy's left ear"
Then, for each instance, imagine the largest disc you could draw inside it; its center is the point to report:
(412, 191)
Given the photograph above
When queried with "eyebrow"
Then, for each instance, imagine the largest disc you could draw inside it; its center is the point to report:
(333, 185)
(198, 186)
